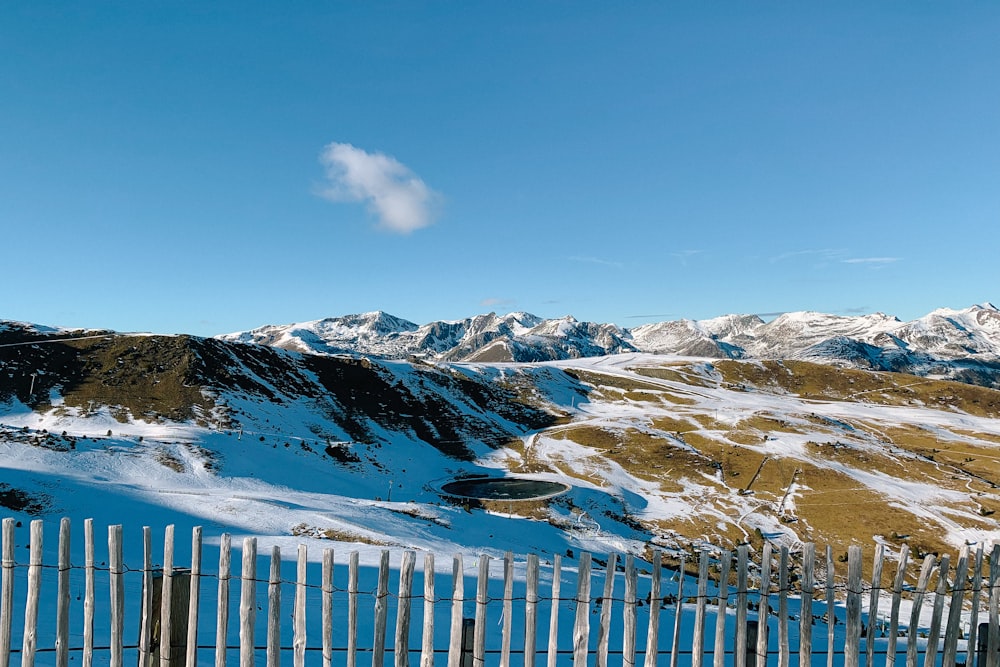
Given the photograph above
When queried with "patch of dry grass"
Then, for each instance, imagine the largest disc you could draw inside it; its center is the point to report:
(337, 535)
(818, 381)
(675, 373)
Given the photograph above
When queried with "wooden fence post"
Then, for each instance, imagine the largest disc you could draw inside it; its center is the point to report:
(508, 607)
(977, 587)
(299, 612)
(401, 644)
(698, 641)
(655, 600)
(581, 626)
(763, 606)
(352, 609)
(6, 591)
(166, 649)
(327, 607)
(719, 652)
(427, 637)
(629, 613)
(897, 591)
(274, 609)
(222, 618)
(117, 586)
(381, 610)
(88, 593)
(955, 609)
(783, 648)
(30, 639)
(934, 634)
(873, 604)
(457, 613)
(146, 612)
(530, 611)
(806, 612)
(993, 636)
(852, 641)
(831, 614)
(194, 598)
(679, 606)
(554, 611)
(479, 641)
(604, 632)
(740, 657)
(62, 601)
(916, 602)
(248, 601)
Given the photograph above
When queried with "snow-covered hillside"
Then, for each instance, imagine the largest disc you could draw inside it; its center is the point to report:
(656, 449)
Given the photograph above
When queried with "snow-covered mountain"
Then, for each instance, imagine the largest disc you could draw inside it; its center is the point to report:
(960, 344)
(652, 449)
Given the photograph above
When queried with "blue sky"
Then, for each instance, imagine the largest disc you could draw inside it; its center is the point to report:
(211, 167)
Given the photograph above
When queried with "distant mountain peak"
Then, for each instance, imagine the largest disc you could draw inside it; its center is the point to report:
(965, 340)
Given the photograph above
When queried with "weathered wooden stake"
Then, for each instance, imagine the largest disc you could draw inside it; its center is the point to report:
(955, 609)
(274, 609)
(327, 585)
(88, 593)
(675, 643)
(742, 558)
(852, 642)
(508, 608)
(352, 609)
(479, 646)
(581, 626)
(916, 602)
(194, 598)
(897, 592)
(222, 618)
(873, 603)
(629, 612)
(934, 634)
(30, 639)
(402, 641)
(248, 601)
(655, 600)
(427, 638)
(783, 648)
(117, 586)
(698, 642)
(457, 614)
(554, 611)
(763, 608)
(604, 631)
(806, 613)
(531, 611)
(299, 613)
(977, 587)
(719, 652)
(381, 610)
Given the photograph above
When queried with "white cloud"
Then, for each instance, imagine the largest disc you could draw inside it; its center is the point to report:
(400, 200)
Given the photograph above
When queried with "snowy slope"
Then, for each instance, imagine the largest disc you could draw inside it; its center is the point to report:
(656, 448)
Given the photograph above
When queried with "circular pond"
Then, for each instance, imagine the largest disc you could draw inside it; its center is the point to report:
(503, 488)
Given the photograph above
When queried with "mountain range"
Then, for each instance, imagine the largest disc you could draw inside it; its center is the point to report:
(962, 345)
(677, 433)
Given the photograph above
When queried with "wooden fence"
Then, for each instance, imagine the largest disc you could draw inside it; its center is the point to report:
(175, 613)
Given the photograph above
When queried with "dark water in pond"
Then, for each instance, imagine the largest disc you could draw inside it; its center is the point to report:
(503, 488)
